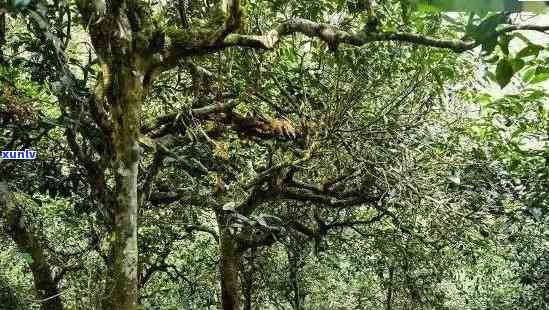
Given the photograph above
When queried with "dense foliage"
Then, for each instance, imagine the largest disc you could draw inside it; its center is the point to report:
(272, 155)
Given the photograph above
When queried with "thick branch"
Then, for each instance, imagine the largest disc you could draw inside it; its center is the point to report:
(259, 239)
(17, 227)
(203, 228)
(330, 34)
(163, 198)
(304, 229)
(330, 199)
(91, 166)
(254, 199)
(95, 173)
(333, 36)
(200, 113)
(224, 116)
(300, 191)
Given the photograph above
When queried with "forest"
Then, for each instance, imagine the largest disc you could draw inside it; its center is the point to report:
(273, 155)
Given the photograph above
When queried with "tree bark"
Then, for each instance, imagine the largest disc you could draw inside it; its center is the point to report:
(294, 281)
(2, 35)
(389, 299)
(45, 285)
(125, 97)
(247, 279)
(230, 257)
(248, 297)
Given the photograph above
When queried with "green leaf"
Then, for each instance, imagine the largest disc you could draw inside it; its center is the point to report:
(517, 64)
(484, 99)
(538, 78)
(504, 41)
(541, 74)
(485, 32)
(229, 206)
(487, 27)
(536, 94)
(27, 258)
(427, 8)
(529, 74)
(504, 72)
(530, 50)
(489, 45)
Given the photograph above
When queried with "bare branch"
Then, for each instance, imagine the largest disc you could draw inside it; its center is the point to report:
(263, 238)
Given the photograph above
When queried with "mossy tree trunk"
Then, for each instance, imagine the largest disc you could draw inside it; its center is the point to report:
(122, 35)
(125, 98)
(21, 232)
(229, 265)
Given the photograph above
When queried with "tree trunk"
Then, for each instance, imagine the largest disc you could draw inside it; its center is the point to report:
(23, 236)
(229, 266)
(125, 96)
(248, 297)
(247, 280)
(389, 299)
(2, 35)
(294, 281)
(247, 286)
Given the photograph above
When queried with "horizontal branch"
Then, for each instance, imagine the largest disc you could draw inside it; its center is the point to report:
(256, 240)
(334, 36)
(272, 172)
(330, 34)
(289, 189)
(202, 228)
(330, 199)
(304, 229)
(164, 198)
(223, 116)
